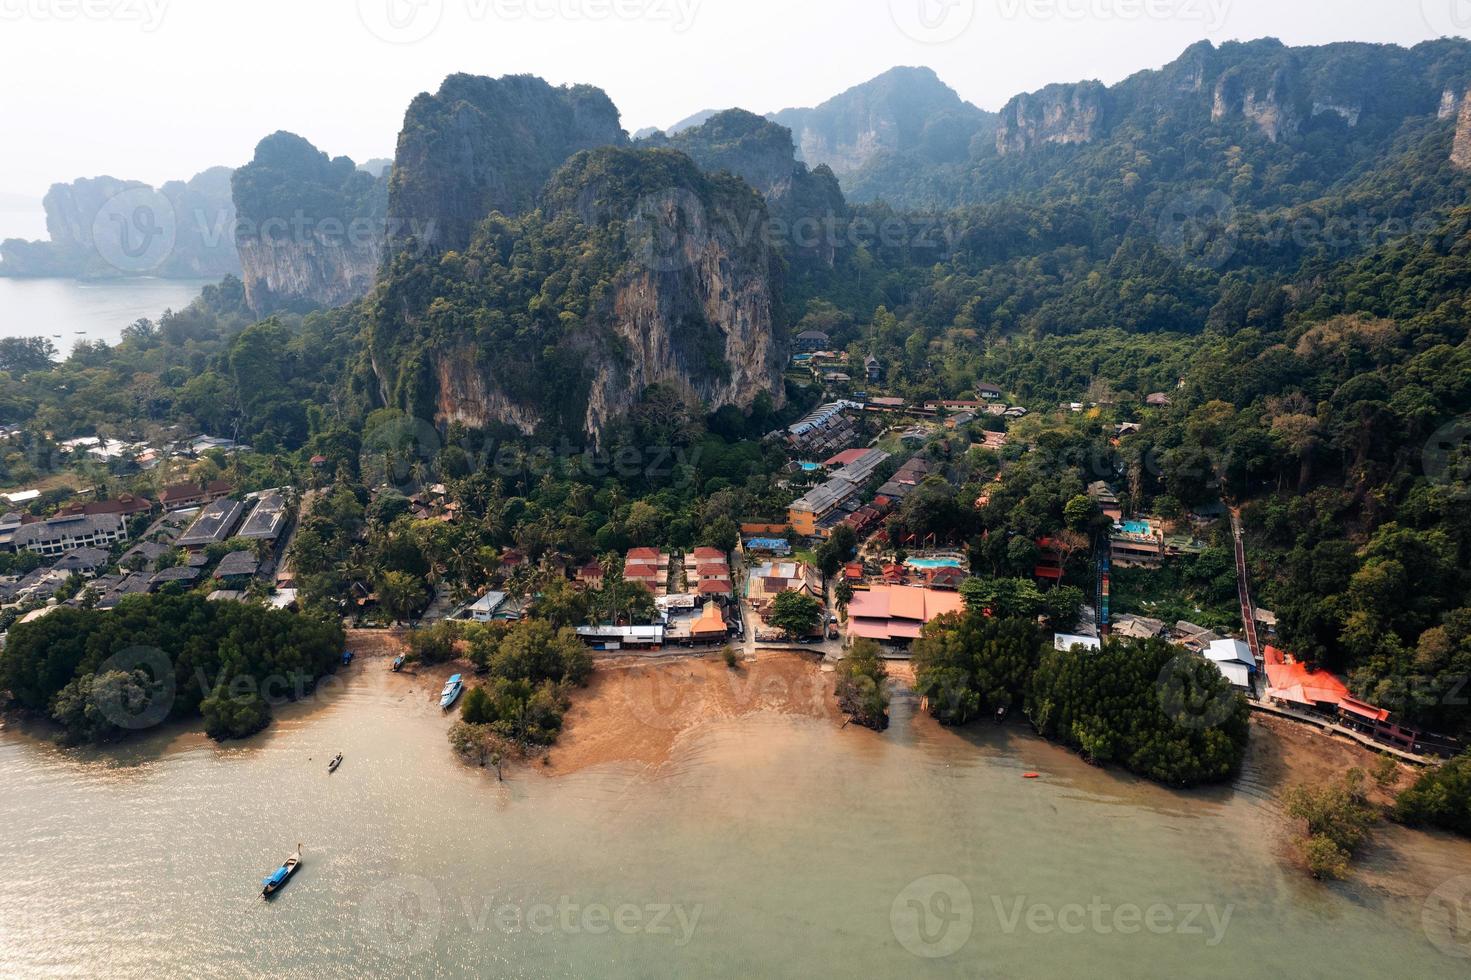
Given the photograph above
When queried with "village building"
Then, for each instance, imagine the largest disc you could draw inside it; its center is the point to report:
(187, 495)
(1234, 660)
(896, 614)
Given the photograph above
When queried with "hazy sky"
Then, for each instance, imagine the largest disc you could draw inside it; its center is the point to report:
(160, 89)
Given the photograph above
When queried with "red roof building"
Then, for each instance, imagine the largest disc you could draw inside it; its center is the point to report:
(846, 458)
(1293, 683)
(947, 577)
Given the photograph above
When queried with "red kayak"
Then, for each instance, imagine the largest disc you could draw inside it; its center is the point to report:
(1033, 775)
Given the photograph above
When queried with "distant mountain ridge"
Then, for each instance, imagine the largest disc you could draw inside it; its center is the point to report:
(190, 220)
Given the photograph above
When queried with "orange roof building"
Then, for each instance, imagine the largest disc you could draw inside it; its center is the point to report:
(1293, 683)
(711, 624)
(897, 614)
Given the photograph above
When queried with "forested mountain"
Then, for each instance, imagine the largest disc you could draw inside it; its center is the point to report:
(902, 122)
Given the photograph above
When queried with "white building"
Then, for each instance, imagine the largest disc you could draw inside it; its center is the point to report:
(59, 535)
(1234, 660)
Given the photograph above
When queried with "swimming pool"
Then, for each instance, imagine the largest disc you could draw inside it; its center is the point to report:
(928, 563)
(810, 467)
(1138, 527)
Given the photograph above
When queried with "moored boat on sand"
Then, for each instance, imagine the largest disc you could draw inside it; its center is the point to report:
(452, 691)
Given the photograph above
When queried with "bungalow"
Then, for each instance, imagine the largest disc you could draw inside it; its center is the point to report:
(947, 578)
(591, 575)
(989, 392)
(238, 564)
(179, 575)
(86, 562)
(1158, 400)
(873, 370)
(494, 607)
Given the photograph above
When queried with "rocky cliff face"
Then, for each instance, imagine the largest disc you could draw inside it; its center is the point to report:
(1062, 114)
(1461, 145)
(480, 145)
(311, 228)
(103, 227)
(638, 269)
(1268, 105)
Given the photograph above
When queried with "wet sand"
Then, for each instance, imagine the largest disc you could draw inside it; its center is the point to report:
(639, 713)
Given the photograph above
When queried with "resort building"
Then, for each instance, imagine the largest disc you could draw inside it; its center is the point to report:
(59, 535)
(811, 341)
(187, 495)
(824, 507)
(127, 505)
(86, 562)
(613, 639)
(267, 520)
(214, 525)
(896, 614)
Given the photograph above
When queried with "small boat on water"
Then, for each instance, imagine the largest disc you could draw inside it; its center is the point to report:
(452, 691)
(398, 664)
(335, 764)
(1032, 775)
(277, 881)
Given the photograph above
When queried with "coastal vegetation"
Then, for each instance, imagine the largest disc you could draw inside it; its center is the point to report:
(1144, 706)
(528, 670)
(1440, 798)
(104, 675)
(862, 686)
(1338, 819)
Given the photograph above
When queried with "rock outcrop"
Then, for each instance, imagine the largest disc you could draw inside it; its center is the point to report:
(1062, 114)
(637, 270)
(481, 145)
(311, 228)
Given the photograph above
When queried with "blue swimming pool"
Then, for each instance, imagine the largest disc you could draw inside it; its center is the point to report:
(1138, 527)
(928, 563)
(810, 467)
